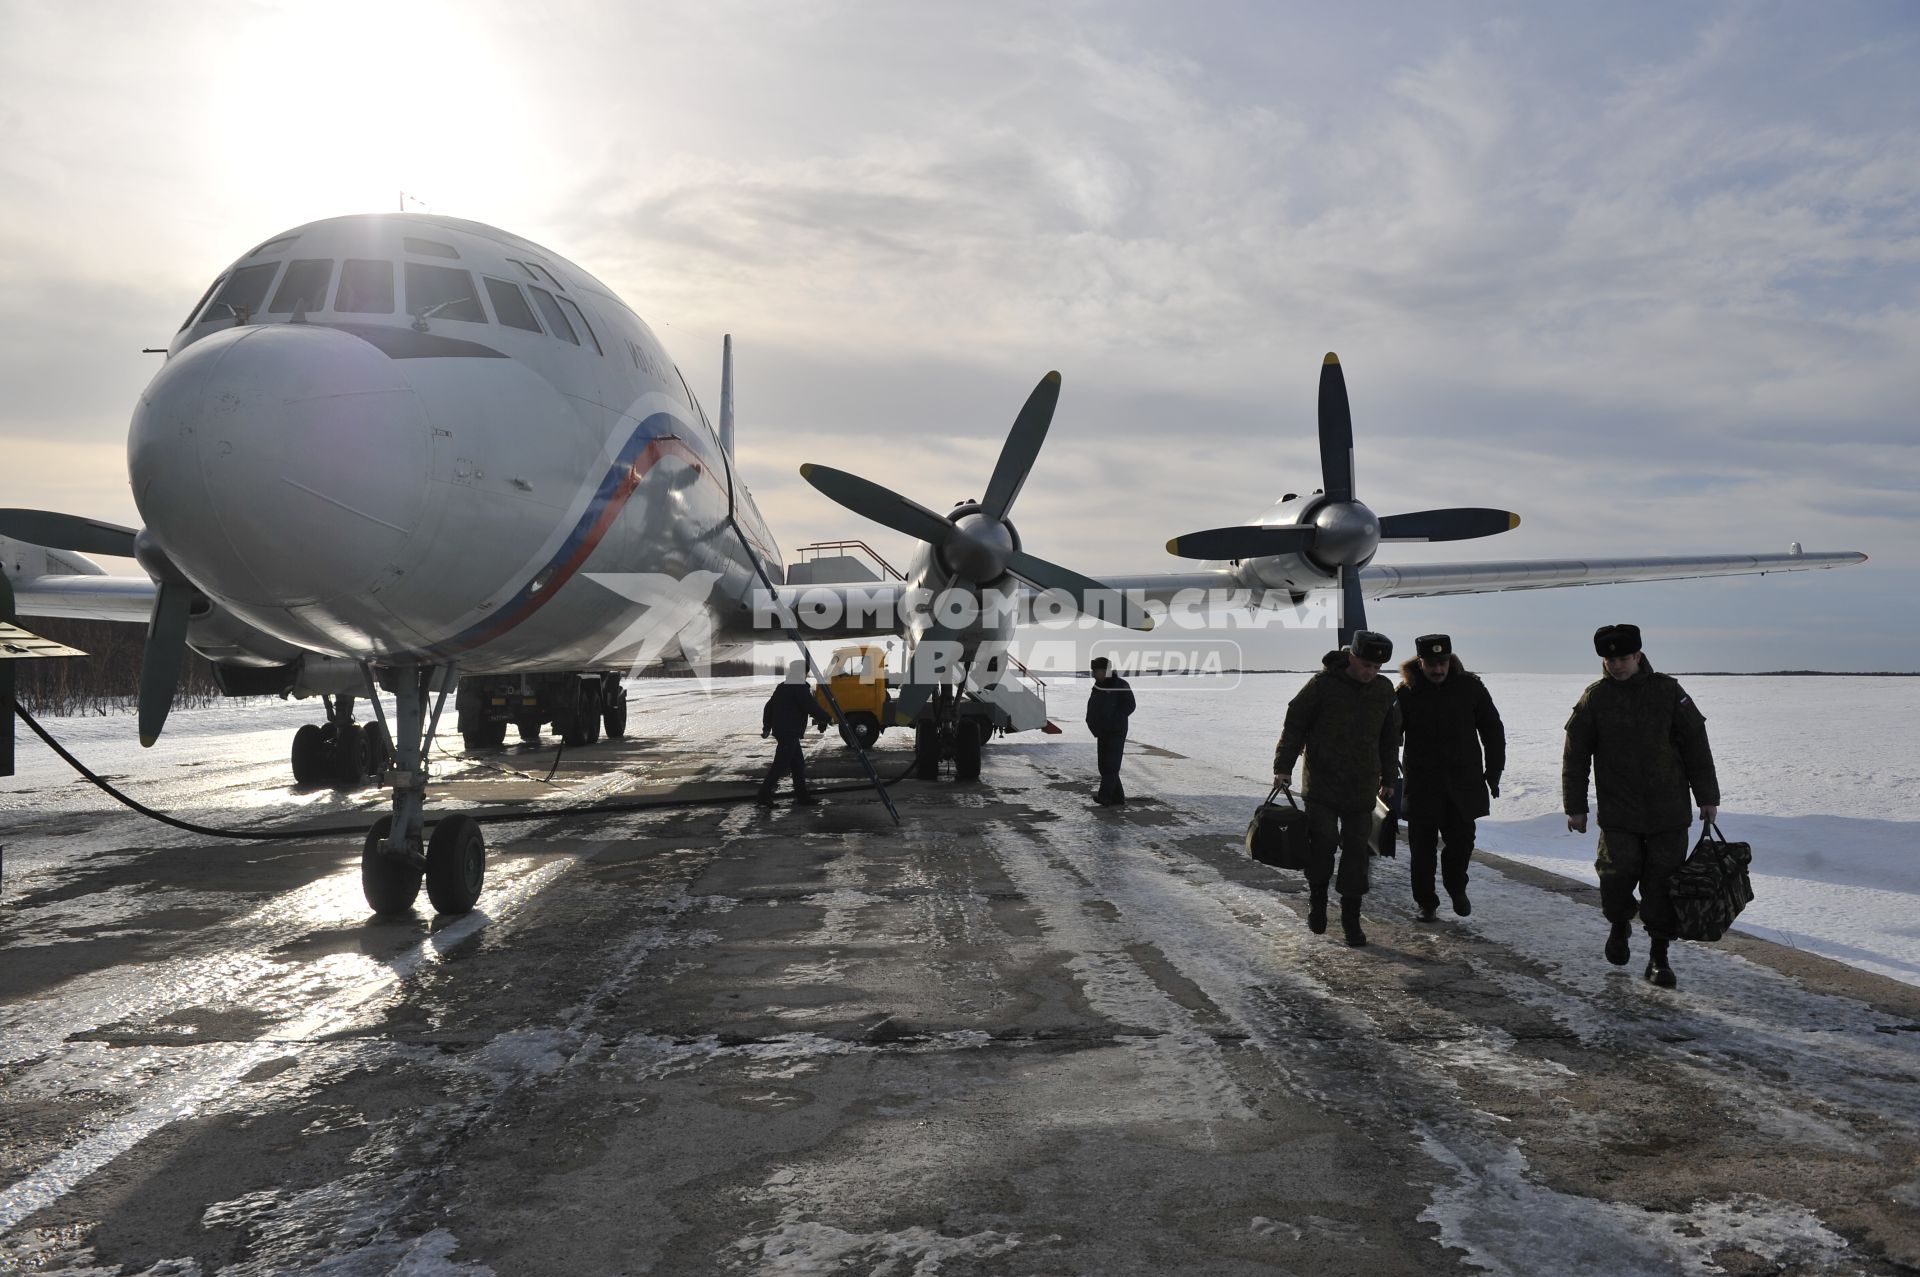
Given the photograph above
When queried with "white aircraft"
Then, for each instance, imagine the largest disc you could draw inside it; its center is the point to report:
(422, 453)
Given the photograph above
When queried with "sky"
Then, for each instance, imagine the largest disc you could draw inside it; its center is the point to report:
(1647, 274)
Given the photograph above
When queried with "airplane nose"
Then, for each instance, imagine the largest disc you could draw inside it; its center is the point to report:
(280, 465)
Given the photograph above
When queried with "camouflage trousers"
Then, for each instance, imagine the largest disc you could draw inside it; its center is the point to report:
(1352, 833)
(1629, 860)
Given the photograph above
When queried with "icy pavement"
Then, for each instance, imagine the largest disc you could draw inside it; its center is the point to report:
(1020, 1035)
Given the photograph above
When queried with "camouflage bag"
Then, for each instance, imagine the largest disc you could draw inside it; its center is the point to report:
(1710, 890)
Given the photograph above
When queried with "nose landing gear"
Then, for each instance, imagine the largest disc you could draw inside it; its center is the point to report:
(397, 856)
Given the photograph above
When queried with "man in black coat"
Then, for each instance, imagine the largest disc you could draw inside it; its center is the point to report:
(1109, 706)
(1643, 741)
(785, 719)
(1456, 748)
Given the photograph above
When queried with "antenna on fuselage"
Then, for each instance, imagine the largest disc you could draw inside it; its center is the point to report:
(726, 393)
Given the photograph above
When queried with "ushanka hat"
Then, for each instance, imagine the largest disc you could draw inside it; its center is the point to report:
(1370, 645)
(1617, 640)
(1429, 647)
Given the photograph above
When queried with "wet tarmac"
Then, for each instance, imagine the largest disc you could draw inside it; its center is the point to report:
(1017, 1034)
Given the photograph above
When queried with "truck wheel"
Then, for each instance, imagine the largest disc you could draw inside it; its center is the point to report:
(614, 715)
(862, 729)
(966, 750)
(529, 729)
(590, 716)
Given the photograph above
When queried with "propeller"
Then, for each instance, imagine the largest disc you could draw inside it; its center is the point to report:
(975, 542)
(166, 645)
(1341, 534)
(67, 532)
(174, 597)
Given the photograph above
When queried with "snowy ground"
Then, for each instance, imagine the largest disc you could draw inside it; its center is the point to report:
(1816, 773)
(1017, 1034)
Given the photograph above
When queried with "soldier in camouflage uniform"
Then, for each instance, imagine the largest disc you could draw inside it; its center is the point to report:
(1646, 743)
(1345, 722)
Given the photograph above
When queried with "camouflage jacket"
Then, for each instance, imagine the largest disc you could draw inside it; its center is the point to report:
(1350, 733)
(1645, 742)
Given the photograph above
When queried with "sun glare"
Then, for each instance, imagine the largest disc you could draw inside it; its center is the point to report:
(386, 98)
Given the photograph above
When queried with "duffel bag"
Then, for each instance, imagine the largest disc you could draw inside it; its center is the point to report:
(1712, 887)
(1277, 835)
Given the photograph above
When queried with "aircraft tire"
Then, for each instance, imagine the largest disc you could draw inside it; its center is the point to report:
(350, 759)
(309, 756)
(966, 750)
(379, 750)
(391, 885)
(456, 864)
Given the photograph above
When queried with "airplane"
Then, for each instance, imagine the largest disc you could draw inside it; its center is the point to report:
(418, 453)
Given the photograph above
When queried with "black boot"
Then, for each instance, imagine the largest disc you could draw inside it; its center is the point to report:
(1618, 949)
(1317, 910)
(1461, 905)
(764, 798)
(1658, 972)
(1429, 910)
(1350, 921)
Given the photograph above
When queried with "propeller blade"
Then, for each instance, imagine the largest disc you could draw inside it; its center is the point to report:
(1336, 431)
(1244, 542)
(1087, 593)
(67, 532)
(883, 505)
(1022, 447)
(1353, 608)
(160, 662)
(1462, 523)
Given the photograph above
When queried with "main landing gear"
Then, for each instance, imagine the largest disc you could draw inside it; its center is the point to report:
(340, 752)
(944, 732)
(397, 855)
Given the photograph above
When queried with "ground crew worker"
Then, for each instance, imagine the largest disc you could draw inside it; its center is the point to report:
(1109, 705)
(1646, 743)
(1345, 723)
(1456, 748)
(785, 719)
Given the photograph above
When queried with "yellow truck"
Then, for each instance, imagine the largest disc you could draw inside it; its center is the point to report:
(858, 676)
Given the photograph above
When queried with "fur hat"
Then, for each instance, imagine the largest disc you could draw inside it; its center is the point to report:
(1617, 640)
(1432, 646)
(1372, 646)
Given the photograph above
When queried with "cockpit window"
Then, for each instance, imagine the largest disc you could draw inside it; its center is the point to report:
(366, 288)
(510, 304)
(273, 245)
(441, 292)
(538, 273)
(550, 310)
(199, 305)
(429, 247)
(241, 295)
(580, 321)
(304, 286)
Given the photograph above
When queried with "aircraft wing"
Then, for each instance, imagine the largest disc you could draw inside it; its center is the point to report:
(1421, 580)
(91, 598)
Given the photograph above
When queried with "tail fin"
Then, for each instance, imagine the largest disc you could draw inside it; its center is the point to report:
(726, 393)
